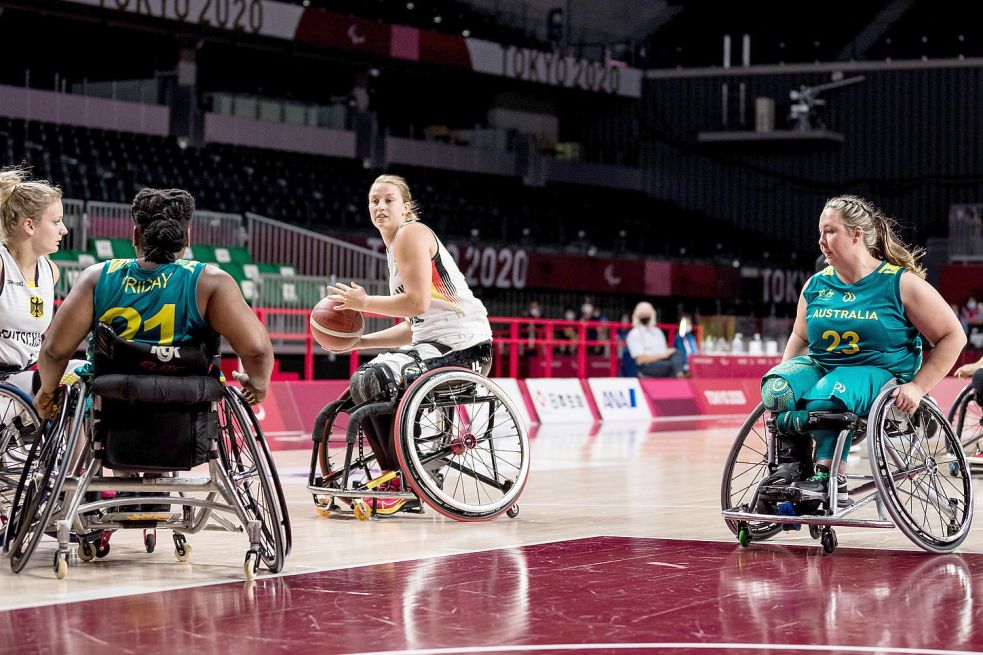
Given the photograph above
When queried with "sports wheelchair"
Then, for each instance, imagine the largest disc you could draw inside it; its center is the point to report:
(919, 477)
(966, 417)
(461, 445)
(19, 424)
(174, 420)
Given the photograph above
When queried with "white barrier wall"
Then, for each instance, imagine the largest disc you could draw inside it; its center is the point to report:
(559, 400)
(619, 399)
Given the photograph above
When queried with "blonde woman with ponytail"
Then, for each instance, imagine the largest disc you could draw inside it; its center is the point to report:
(860, 323)
(31, 228)
(442, 318)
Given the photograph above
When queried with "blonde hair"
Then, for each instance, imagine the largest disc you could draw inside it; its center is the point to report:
(643, 308)
(880, 234)
(404, 191)
(22, 199)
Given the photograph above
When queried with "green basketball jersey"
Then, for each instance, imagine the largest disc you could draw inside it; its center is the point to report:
(862, 324)
(157, 306)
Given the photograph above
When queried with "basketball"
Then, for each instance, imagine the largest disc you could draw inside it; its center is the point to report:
(335, 329)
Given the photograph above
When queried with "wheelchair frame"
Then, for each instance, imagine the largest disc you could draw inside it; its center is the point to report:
(426, 454)
(60, 472)
(891, 467)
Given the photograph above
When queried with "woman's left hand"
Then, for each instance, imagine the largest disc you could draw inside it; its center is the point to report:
(907, 397)
(348, 297)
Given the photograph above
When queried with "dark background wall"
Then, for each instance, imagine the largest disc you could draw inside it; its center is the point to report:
(911, 143)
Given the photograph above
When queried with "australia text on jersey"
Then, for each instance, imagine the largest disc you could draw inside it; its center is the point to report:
(863, 315)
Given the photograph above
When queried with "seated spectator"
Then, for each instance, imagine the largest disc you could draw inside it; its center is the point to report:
(685, 341)
(567, 332)
(647, 345)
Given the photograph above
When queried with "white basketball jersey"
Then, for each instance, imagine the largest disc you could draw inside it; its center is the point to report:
(25, 310)
(456, 318)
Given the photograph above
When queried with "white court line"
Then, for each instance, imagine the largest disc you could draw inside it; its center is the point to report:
(75, 597)
(526, 648)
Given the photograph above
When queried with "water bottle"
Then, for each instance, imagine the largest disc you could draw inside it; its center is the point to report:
(737, 345)
(756, 347)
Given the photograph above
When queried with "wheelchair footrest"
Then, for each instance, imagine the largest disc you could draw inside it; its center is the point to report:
(359, 493)
(740, 515)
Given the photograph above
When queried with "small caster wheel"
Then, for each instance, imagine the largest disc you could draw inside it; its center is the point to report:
(952, 529)
(182, 549)
(814, 531)
(744, 536)
(183, 554)
(60, 565)
(86, 552)
(323, 510)
(439, 480)
(362, 511)
(828, 540)
(150, 540)
(512, 512)
(102, 546)
(251, 565)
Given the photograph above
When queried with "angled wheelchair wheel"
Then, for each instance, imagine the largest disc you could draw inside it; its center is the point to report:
(966, 417)
(251, 476)
(921, 473)
(260, 438)
(747, 465)
(19, 425)
(39, 492)
(461, 444)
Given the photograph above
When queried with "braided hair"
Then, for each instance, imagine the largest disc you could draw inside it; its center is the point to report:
(880, 232)
(162, 216)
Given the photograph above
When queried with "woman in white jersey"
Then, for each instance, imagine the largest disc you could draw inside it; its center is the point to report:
(443, 318)
(31, 220)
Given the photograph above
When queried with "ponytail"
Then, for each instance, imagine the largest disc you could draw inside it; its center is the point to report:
(880, 232)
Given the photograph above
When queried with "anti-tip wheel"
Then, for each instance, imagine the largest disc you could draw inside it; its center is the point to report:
(251, 566)
(60, 565)
(86, 552)
(512, 512)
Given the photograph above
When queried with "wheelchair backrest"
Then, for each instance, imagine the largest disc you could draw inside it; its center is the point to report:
(154, 407)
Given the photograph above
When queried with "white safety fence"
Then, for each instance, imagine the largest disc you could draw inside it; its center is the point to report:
(311, 253)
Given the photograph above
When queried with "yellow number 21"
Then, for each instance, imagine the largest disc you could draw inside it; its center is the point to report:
(164, 319)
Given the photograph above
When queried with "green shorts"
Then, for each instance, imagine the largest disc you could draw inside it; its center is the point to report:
(853, 386)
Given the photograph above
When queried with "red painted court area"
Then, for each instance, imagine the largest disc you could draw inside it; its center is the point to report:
(596, 595)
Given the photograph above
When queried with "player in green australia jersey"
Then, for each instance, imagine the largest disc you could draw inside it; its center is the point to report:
(860, 323)
(157, 298)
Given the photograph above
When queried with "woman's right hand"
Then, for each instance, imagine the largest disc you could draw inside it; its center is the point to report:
(253, 393)
(966, 370)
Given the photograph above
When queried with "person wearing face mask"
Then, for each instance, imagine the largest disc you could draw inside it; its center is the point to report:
(647, 346)
(685, 341)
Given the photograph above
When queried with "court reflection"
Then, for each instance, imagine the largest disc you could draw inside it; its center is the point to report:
(773, 594)
(450, 600)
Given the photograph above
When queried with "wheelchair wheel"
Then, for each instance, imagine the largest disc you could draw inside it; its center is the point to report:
(747, 465)
(19, 425)
(966, 417)
(268, 456)
(39, 492)
(251, 478)
(921, 473)
(461, 444)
